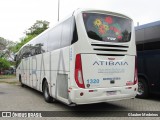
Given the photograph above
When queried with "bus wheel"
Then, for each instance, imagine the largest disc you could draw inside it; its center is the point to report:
(142, 88)
(46, 94)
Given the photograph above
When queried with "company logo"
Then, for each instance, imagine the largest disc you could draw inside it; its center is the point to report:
(110, 63)
(111, 38)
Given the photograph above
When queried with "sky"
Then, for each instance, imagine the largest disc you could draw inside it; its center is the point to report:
(16, 16)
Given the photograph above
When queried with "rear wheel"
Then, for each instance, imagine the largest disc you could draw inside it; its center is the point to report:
(46, 94)
(142, 88)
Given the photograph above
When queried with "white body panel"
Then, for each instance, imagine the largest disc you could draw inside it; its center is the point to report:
(100, 71)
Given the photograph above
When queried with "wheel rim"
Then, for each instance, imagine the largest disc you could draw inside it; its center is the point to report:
(46, 91)
(140, 88)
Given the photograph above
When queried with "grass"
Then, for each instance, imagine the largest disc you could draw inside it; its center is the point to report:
(7, 76)
(14, 82)
(10, 79)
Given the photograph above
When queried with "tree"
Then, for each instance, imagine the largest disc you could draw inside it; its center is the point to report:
(23, 41)
(37, 27)
(3, 43)
(32, 32)
(6, 48)
(4, 64)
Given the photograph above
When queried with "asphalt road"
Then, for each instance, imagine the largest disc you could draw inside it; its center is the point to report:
(13, 97)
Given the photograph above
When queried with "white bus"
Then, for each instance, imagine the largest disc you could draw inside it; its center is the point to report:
(90, 57)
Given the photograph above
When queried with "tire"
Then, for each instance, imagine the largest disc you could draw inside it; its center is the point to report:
(20, 80)
(142, 89)
(46, 94)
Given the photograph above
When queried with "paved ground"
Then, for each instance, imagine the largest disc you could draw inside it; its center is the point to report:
(13, 97)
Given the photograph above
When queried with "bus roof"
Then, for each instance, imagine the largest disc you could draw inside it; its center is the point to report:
(152, 24)
(75, 12)
(79, 10)
(148, 32)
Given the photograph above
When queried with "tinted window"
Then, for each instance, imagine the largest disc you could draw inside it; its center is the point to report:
(62, 35)
(67, 32)
(38, 46)
(26, 51)
(75, 35)
(107, 28)
(55, 37)
(18, 59)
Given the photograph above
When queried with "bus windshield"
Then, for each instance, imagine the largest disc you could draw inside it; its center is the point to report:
(107, 28)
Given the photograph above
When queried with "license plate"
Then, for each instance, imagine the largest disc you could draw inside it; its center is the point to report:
(111, 92)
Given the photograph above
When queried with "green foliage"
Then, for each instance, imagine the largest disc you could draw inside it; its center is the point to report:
(4, 64)
(32, 32)
(37, 27)
(23, 41)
